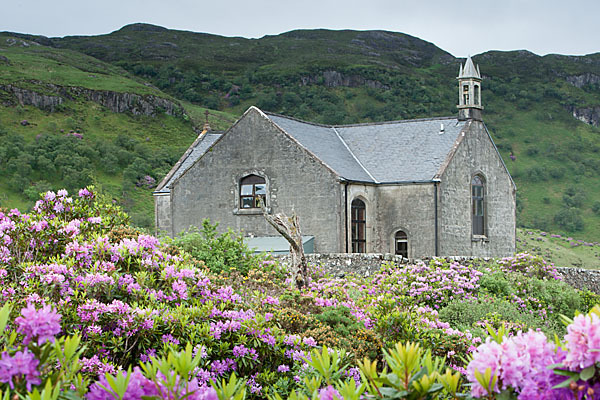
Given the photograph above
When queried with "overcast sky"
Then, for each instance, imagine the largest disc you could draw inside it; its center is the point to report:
(460, 27)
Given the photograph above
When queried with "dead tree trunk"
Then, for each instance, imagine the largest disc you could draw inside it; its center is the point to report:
(289, 228)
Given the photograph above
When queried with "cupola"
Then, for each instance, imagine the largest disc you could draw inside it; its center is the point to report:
(469, 91)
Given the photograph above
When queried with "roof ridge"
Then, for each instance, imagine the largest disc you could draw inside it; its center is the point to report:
(400, 121)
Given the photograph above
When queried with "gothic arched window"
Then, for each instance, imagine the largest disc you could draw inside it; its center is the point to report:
(252, 189)
(478, 205)
(401, 244)
(359, 225)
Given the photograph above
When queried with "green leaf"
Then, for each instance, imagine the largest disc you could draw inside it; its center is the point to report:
(4, 314)
(564, 384)
(587, 373)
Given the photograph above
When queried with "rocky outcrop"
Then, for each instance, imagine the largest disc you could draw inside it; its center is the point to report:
(129, 102)
(32, 98)
(583, 80)
(589, 115)
(334, 79)
(118, 102)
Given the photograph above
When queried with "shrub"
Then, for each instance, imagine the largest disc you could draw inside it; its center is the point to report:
(220, 252)
(569, 219)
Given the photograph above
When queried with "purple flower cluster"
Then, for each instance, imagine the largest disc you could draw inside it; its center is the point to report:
(22, 364)
(42, 324)
(139, 386)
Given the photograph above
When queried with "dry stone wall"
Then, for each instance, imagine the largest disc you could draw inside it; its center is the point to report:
(341, 264)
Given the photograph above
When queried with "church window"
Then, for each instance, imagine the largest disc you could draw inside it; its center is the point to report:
(465, 94)
(359, 224)
(478, 204)
(401, 244)
(253, 189)
(476, 94)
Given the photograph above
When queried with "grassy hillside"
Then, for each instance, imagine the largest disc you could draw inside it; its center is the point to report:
(80, 141)
(562, 250)
(352, 76)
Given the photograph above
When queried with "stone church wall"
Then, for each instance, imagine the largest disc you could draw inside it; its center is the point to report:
(391, 208)
(295, 180)
(162, 213)
(476, 154)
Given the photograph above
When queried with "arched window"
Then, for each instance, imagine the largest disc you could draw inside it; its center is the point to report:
(478, 204)
(476, 94)
(359, 224)
(401, 244)
(252, 189)
(466, 95)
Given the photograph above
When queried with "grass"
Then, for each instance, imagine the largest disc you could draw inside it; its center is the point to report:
(563, 251)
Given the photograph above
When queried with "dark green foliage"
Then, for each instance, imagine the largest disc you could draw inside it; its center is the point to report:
(220, 252)
(574, 197)
(569, 219)
(474, 314)
(340, 320)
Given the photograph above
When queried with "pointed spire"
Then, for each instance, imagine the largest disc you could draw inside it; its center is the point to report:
(469, 70)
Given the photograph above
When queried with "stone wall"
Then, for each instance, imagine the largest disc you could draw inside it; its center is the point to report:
(582, 278)
(340, 264)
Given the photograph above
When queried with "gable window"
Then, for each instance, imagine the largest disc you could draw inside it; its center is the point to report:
(359, 225)
(253, 189)
(478, 204)
(401, 244)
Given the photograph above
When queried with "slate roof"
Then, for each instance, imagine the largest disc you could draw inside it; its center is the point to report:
(196, 150)
(388, 152)
(469, 70)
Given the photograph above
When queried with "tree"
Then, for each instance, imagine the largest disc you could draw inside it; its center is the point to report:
(289, 228)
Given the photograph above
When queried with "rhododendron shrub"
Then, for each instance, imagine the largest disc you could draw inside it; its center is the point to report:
(528, 366)
(129, 299)
(73, 271)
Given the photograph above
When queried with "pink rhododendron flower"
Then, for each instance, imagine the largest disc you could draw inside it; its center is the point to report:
(42, 324)
(329, 393)
(23, 363)
(583, 342)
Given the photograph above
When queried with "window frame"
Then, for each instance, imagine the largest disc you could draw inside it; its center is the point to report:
(478, 206)
(237, 184)
(252, 181)
(398, 240)
(358, 241)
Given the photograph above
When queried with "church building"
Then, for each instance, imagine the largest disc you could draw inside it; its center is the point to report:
(416, 188)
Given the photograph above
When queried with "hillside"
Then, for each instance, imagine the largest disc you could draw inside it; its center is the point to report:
(545, 111)
(68, 120)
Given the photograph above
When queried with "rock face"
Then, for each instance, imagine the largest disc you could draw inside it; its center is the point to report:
(129, 102)
(582, 80)
(30, 97)
(335, 79)
(589, 115)
(114, 101)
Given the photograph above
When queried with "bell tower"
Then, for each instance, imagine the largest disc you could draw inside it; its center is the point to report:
(469, 91)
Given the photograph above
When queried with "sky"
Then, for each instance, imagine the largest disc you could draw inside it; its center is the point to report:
(461, 27)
